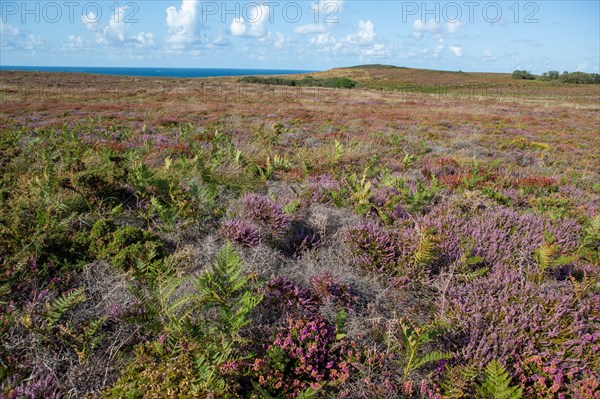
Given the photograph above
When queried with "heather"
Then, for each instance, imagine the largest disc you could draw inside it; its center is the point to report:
(363, 246)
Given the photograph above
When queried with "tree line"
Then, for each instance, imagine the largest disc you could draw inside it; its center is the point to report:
(565, 77)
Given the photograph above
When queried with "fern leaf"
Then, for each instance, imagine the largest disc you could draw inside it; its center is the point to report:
(4, 290)
(545, 256)
(62, 304)
(431, 357)
(496, 383)
(472, 275)
(426, 250)
(264, 394)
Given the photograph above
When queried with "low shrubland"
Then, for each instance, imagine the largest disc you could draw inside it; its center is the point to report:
(285, 260)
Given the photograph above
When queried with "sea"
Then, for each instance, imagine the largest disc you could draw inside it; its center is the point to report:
(156, 72)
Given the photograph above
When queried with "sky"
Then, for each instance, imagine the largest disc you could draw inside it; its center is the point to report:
(487, 36)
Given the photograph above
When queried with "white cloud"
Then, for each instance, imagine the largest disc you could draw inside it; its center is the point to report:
(426, 26)
(456, 50)
(75, 44)
(438, 49)
(434, 28)
(222, 41)
(182, 24)
(310, 28)
(115, 33)
(323, 39)
(12, 38)
(8, 30)
(144, 39)
(277, 40)
(254, 27)
(378, 50)
(327, 12)
(584, 66)
(488, 55)
(363, 43)
(366, 33)
(91, 22)
(238, 27)
(452, 27)
(117, 27)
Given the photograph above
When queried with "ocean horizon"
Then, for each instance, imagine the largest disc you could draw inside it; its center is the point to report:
(155, 71)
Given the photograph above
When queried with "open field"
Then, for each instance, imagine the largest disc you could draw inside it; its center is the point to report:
(425, 235)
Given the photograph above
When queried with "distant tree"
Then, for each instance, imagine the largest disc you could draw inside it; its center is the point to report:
(580, 78)
(550, 75)
(344, 83)
(522, 74)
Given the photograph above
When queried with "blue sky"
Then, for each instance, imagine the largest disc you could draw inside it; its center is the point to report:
(463, 35)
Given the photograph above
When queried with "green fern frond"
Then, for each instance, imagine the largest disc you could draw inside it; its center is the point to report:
(545, 256)
(587, 284)
(413, 339)
(426, 251)
(175, 308)
(547, 259)
(496, 383)
(458, 381)
(431, 357)
(4, 290)
(593, 230)
(308, 393)
(61, 305)
(472, 275)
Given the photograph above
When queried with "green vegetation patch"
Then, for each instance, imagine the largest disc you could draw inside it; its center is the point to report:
(308, 81)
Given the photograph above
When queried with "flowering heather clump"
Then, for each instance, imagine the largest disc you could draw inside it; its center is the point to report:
(302, 238)
(373, 246)
(502, 315)
(589, 205)
(283, 293)
(386, 206)
(319, 187)
(41, 385)
(240, 232)
(536, 182)
(266, 212)
(501, 235)
(542, 379)
(382, 195)
(328, 289)
(441, 167)
(304, 354)
(516, 198)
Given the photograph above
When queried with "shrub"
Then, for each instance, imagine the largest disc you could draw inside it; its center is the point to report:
(40, 385)
(302, 238)
(304, 354)
(521, 74)
(328, 289)
(124, 246)
(282, 293)
(154, 374)
(240, 232)
(373, 246)
(266, 212)
(503, 316)
(549, 379)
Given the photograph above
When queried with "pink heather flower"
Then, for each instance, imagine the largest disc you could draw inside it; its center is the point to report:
(240, 232)
(31, 262)
(266, 212)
